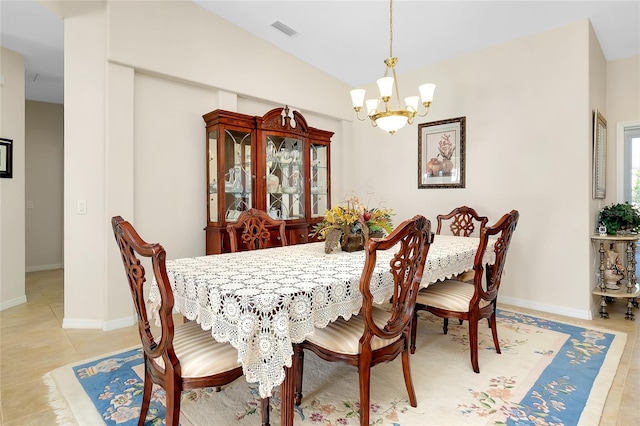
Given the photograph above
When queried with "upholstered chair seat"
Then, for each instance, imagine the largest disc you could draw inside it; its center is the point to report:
(450, 295)
(199, 353)
(343, 336)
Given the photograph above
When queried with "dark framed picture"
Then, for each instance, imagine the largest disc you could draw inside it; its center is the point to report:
(6, 158)
(599, 155)
(441, 153)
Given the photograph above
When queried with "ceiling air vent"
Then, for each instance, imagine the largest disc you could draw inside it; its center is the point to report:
(43, 78)
(284, 29)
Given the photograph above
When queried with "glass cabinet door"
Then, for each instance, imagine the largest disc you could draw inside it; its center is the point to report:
(285, 177)
(319, 179)
(238, 177)
(212, 175)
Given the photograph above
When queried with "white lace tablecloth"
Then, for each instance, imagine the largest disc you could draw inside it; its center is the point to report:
(263, 301)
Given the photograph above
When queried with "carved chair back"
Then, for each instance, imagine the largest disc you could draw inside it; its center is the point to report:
(131, 246)
(503, 230)
(253, 230)
(462, 221)
(413, 238)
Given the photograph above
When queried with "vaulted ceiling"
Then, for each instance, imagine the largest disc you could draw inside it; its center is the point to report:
(347, 39)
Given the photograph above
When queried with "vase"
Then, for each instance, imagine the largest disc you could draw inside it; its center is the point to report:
(355, 241)
(447, 166)
(612, 279)
(352, 242)
(377, 234)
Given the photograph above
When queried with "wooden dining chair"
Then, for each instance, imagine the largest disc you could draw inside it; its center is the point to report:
(458, 299)
(254, 226)
(257, 230)
(175, 358)
(376, 335)
(462, 221)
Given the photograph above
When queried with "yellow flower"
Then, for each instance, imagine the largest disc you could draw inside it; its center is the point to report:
(353, 217)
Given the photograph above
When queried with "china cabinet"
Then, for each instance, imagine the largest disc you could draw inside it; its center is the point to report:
(275, 163)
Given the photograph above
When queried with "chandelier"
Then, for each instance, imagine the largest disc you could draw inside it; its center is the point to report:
(389, 119)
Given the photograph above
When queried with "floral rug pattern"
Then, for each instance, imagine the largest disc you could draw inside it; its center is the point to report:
(557, 395)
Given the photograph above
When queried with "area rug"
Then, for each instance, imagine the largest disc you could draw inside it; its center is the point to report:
(548, 373)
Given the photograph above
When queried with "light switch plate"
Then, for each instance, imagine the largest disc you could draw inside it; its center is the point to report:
(82, 206)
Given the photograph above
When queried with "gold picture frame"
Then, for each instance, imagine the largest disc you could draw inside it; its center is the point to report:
(599, 155)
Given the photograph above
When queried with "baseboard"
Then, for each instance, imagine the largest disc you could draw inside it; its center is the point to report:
(38, 268)
(13, 302)
(119, 323)
(99, 324)
(544, 307)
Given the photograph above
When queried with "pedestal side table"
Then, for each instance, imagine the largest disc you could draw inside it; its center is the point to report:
(631, 290)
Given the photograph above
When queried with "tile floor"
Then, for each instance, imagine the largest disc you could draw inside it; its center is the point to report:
(33, 342)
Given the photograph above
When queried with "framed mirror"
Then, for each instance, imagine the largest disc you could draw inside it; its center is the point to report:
(599, 155)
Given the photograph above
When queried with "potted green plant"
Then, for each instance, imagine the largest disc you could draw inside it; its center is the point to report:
(620, 217)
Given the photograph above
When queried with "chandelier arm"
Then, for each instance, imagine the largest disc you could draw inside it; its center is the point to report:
(358, 115)
(426, 111)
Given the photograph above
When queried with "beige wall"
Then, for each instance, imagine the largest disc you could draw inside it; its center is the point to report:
(527, 114)
(44, 185)
(12, 206)
(623, 110)
(148, 164)
(623, 90)
(164, 64)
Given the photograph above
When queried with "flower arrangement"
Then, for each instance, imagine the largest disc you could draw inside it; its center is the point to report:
(352, 218)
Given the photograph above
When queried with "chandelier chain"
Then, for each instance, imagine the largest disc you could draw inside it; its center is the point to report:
(391, 28)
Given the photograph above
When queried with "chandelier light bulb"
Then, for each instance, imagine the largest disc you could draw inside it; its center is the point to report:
(372, 106)
(411, 103)
(385, 86)
(426, 92)
(357, 97)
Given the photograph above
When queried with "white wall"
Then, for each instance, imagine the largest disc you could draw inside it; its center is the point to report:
(12, 201)
(623, 110)
(85, 133)
(148, 163)
(139, 76)
(623, 92)
(527, 130)
(44, 185)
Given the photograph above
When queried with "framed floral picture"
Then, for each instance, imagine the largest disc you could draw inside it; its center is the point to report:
(599, 155)
(6, 158)
(441, 153)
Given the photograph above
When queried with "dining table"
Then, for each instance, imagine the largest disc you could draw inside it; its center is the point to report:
(264, 301)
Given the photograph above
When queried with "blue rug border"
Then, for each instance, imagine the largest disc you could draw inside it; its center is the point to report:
(562, 390)
(559, 386)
